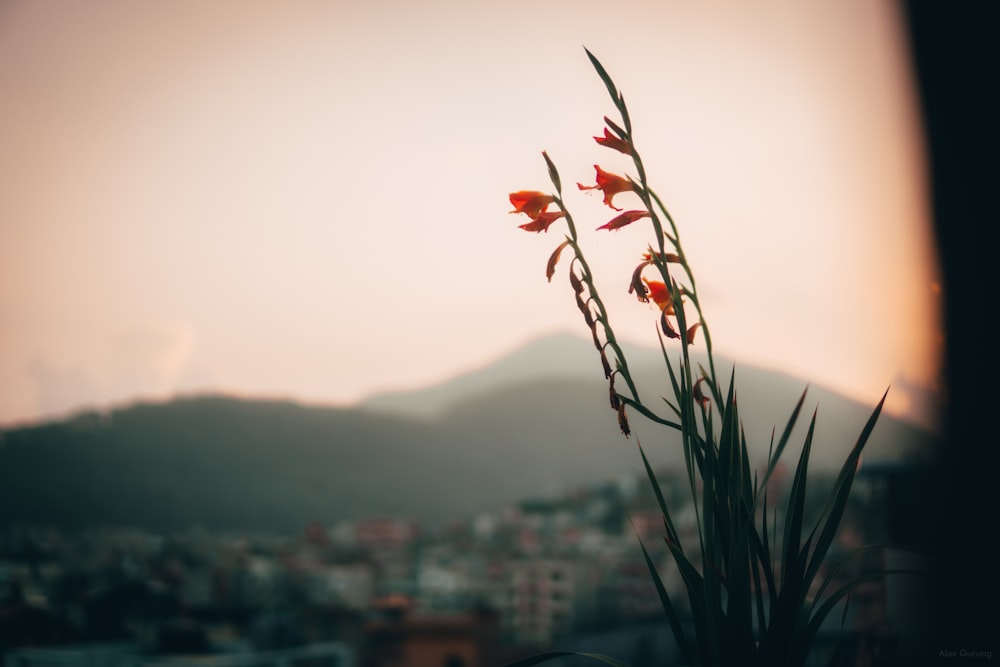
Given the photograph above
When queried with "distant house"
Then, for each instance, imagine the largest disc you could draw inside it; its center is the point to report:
(399, 638)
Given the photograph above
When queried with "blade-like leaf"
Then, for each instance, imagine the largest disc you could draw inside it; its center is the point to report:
(553, 172)
(622, 134)
(605, 77)
(785, 435)
(840, 493)
(668, 606)
(836, 568)
(695, 586)
(671, 532)
(807, 637)
(670, 366)
(647, 413)
(539, 658)
(796, 503)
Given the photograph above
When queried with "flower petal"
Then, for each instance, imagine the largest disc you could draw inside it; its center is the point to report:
(623, 421)
(610, 184)
(550, 268)
(637, 285)
(584, 307)
(698, 394)
(660, 294)
(604, 362)
(666, 327)
(530, 202)
(626, 218)
(689, 334)
(614, 142)
(542, 221)
(666, 257)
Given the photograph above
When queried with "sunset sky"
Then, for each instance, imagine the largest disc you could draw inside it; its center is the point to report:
(309, 199)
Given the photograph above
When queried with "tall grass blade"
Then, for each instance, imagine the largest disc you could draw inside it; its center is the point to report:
(796, 503)
(658, 492)
(539, 658)
(783, 440)
(606, 78)
(816, 620)
(840, 493)
(668, 607)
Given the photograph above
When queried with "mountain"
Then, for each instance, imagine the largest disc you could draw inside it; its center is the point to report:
(566, 356)
(515, 430)
(559, 356)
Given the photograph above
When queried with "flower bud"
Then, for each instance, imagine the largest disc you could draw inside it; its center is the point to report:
(689, 334)
(623, 421)
(550, 268)
(668, 329)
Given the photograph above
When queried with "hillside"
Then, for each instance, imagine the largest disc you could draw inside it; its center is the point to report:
(230, 463)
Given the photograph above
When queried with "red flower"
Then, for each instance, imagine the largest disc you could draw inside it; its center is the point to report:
(542, 221)
(666, 257)
(530, 202)
(614, 142)
(610, 184)
(660, 293)
(626, 218)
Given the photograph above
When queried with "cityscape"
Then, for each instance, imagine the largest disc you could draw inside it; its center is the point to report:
(561, 572)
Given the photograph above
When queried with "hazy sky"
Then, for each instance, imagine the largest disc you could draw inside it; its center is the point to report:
(309, 199)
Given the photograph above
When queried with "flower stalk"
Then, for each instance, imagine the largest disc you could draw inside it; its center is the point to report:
(748, 598)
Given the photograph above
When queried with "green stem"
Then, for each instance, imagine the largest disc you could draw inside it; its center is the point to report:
(603, 318)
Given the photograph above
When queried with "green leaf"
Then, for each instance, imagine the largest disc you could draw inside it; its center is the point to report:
(605, 77)
(774, 454)
(676, 410)
(647, 413)
(712, 549)
(539, 658)
(622, 134)
(835, 657)
(696, 596)
(816, 621)
(553, 173)
(671, 532)
(835, 569)
(668, 606)
(785, 435)
(840, 493)
(670, 366)
(796, 503)
(764, 553)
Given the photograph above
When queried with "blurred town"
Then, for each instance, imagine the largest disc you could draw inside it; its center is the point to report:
(560, 572)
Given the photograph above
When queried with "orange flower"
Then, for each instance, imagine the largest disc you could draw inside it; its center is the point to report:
(626, 218)
(614, 142)
(610, 184)
(542, 221)
(667, 257)
(660, 293)
(530, 202)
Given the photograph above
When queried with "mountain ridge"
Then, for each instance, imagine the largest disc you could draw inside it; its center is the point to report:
(566, 355)
(226, 462)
